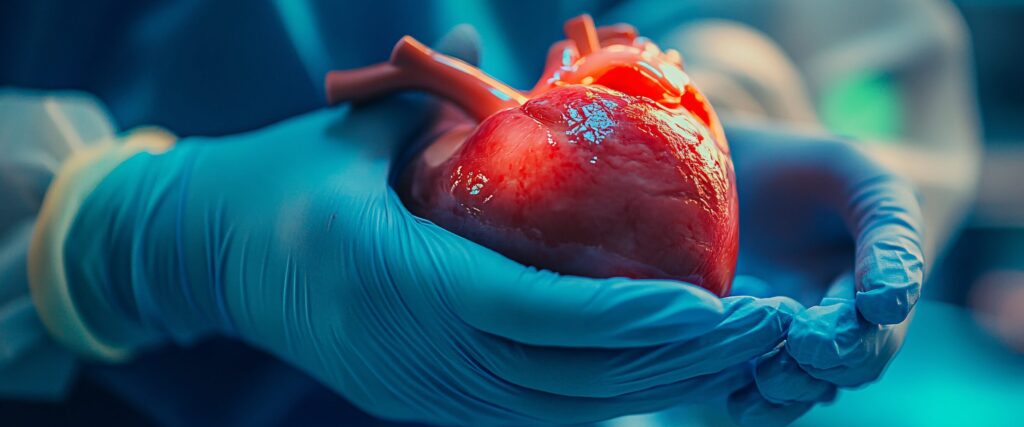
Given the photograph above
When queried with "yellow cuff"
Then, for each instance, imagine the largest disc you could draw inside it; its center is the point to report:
(77, 178)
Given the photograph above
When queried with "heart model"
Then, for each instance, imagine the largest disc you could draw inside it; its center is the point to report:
(614, 164)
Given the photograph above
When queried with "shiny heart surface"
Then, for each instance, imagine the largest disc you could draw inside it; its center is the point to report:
(614, 164)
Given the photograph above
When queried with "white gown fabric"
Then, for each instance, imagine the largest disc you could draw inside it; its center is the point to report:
(37, 132)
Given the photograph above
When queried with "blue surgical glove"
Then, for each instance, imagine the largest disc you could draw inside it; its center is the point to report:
(290, 238)
(822, 223)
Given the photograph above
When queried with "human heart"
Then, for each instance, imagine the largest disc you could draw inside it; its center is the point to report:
(614, 164)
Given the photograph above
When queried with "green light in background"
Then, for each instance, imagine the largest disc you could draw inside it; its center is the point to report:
(866, 105)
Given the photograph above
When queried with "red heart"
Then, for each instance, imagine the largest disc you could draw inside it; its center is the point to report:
(613, 165)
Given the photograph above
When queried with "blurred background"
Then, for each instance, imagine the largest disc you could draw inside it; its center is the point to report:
(931, 86)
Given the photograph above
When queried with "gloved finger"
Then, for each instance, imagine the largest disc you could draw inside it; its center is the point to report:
(751, 327)
(749, 408)
(781, 380)
(833, 343)
(883, 346)
(497, 295)
(886, 221)
(568, 311)
(535, 406)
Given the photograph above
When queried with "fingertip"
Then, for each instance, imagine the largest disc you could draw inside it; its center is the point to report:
(760, 323)
(821, 336)
(888, 305)
(833, 343)
(867, 361)
(890, 261)
(781, 380)
(787, 307)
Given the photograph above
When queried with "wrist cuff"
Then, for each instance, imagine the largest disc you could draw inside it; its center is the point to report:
(77, 178)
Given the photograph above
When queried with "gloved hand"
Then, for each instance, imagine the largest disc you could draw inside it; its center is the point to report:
(809, 206)
(291, 239)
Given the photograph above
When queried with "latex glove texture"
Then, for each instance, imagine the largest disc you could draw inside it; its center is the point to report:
(823, 223)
